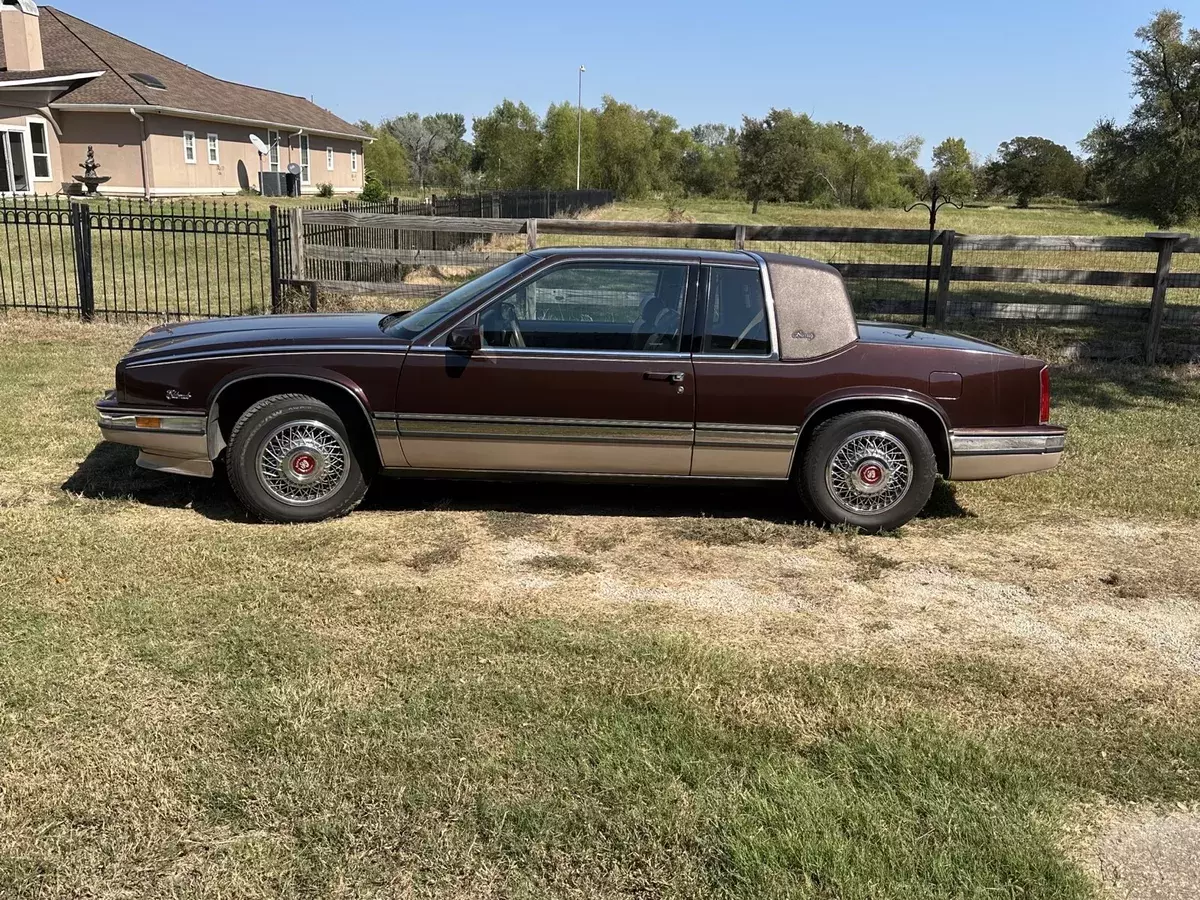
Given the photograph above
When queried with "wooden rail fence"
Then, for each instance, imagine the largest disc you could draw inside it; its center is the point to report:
(472, 251)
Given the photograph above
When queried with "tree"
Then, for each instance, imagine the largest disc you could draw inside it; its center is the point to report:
(1152, 164)
(855, 169)
(626, 156)
(709, 166)
(508, 147)
(385, 159)
(434, 144)
(560, 130)
(954, 169)
(1029, 167)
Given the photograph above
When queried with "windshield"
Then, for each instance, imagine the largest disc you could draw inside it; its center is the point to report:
(414, 323)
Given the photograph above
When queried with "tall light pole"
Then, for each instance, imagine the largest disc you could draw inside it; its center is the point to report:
(579, 131)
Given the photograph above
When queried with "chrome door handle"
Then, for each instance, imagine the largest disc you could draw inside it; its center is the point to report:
(673, 377)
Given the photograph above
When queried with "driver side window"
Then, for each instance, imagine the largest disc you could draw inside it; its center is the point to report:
(617, 307)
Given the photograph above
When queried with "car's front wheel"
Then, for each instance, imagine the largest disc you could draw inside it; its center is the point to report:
(290, 459)
(872, 470)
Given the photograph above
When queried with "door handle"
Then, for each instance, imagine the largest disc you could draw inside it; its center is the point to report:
(673, 377)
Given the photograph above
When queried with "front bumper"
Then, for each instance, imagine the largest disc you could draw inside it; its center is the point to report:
(174, 442)
(977, 454)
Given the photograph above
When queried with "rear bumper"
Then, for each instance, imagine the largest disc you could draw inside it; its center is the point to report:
(176, 443)
(977, 454)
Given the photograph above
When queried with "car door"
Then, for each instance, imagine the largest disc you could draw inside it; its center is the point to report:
(582, 369)
(737, 371)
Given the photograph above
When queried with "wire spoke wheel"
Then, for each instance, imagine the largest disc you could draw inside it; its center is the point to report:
(869, 473)
(303, 463)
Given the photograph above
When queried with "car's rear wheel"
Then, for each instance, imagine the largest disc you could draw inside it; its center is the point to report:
(290, 459)
(872, 470)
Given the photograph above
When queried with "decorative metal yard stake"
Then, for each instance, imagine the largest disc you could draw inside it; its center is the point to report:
(935, 202)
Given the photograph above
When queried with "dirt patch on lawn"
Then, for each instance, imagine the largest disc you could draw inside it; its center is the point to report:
(1152, 854)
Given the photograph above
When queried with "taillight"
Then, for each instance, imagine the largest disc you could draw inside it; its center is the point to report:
(1044, 409)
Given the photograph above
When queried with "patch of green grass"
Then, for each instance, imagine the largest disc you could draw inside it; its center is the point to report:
(733, 532)
(436, 557)
(567, 563)
(869, 564)
(508, 524)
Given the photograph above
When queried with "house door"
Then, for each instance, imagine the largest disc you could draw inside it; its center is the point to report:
(14, 169)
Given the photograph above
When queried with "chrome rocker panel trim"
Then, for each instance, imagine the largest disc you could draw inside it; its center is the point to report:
(179, 447)
(982, 454)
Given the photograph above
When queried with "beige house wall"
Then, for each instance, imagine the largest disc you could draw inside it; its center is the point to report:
(116, 140)
(17, 118)
(237, 160)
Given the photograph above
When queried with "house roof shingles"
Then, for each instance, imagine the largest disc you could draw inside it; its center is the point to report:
(71, 44)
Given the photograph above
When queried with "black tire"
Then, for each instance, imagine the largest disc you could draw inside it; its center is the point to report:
(312, 436)
(874, 448)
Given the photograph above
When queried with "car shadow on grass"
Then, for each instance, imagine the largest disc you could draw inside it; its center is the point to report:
(110, 473)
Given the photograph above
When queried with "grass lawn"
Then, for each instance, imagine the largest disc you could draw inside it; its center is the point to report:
(505, 691)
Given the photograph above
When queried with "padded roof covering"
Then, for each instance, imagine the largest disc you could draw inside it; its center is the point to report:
(812, 308)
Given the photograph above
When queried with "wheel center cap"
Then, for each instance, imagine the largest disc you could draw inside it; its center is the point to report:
(870, 473)
(303, 464)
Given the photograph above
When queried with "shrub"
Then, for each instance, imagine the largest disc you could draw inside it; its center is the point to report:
(325, 189)
(373, 190)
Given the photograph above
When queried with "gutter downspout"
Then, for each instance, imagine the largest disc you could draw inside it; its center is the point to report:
(145, 162)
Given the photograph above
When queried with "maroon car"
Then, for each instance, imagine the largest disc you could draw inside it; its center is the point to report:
(610, 363)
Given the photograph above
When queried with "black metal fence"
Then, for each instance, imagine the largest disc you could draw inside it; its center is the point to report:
(114, 259)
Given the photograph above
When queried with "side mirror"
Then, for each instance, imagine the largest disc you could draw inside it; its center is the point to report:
(465, 338)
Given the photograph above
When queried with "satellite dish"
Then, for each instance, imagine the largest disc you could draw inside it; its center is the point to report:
(293, 168)
(259, 144)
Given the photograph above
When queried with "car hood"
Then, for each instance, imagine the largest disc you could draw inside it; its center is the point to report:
(266, 333)
(891, 333)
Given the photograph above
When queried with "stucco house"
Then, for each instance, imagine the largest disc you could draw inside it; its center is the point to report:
(159, 128)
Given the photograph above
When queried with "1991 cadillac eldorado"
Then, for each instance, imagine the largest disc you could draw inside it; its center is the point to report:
(610, 363)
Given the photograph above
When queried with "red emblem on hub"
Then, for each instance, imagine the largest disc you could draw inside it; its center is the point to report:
(870, 474)
(303, 464)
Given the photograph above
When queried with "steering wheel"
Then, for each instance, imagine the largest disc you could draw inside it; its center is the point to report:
(512, 328)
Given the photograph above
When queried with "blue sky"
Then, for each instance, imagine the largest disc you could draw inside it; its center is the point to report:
(987, 71)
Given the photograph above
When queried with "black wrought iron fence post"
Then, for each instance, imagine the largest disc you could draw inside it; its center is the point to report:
(81, 232)
(274, 255)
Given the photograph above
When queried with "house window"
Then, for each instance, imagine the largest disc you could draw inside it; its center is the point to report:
(273, 140)
(329, 159)
(353, 160)
(214, 150)
(304, 159)
(40, 145)
(189, 147)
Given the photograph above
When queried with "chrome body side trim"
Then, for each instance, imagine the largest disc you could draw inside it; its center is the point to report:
(744, 451)
(979, 454)
(180, 446)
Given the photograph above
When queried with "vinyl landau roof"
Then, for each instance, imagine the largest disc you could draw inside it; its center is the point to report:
(73, 45)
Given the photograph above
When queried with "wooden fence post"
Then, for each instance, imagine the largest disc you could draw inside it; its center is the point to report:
(531, 233)
(739, 237)
(347, 274)
(1158, 299)
(942, 304)
(296, 243)
(396, 236)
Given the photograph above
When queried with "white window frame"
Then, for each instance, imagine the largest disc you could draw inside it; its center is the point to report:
(305, 160)
(213, 148)
(353, 159)
(41, 123)
(189, 147)
(273, 154)
(328, 159)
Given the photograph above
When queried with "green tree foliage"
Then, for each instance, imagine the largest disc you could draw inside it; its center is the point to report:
(627, 158)
(954, 169)
(435, 146)
(385, 159)
(1029, 167)
(709, 167)
(790, 157)
(560, 129)
(1152, 164)
(508, 147)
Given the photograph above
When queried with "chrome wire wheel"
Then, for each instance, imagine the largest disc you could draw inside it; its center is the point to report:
(303, 463)
(869, 473)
